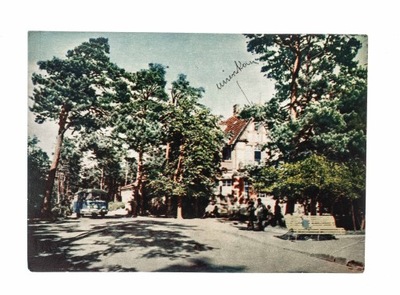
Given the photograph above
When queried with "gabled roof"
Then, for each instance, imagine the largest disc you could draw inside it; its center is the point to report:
(234, 126)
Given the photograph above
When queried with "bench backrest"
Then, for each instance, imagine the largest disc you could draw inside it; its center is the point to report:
(322, 221)
(310, 221)
(293, 221)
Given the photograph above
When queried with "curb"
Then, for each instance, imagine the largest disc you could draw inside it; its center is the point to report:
(357, 265)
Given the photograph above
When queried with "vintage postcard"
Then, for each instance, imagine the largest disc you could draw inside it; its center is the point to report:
(191, 152)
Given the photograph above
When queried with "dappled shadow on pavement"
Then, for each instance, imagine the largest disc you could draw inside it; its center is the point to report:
(201, 265)
(67, 247)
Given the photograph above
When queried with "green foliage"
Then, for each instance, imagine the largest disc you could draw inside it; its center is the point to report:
(112, 206)
(313, 178)
(328, 89)
(195, 135)
(38, 166)
(316, 119)
(106, 161)
(136, 118)
(71, 163)
(113, 113)
(81, 85)
(319, 56)
(77, 92)
(61, 211)
(194, 143)
(329, 92)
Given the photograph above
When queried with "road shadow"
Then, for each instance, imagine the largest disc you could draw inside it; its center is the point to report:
(201, 265)
(67, 247)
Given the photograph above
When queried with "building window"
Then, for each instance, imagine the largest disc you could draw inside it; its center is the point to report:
(226, 153)
(227, 182)
(257, 156)
(246, 187)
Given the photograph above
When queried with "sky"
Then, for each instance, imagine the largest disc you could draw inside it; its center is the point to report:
(206, 59)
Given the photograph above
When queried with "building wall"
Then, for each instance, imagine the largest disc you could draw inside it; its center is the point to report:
(126, 195)
(243, 154)
(252, 139)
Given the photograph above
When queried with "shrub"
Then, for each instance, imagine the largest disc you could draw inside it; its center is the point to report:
(112, 206)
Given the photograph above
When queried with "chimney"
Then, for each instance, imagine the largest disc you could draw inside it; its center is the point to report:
(236, 109)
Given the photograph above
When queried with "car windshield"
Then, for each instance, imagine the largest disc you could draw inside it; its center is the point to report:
(94, 205)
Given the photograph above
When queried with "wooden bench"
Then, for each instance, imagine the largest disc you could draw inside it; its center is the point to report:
(313, 225)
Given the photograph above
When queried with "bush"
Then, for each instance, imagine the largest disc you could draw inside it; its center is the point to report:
(112, 206)
(61, 211)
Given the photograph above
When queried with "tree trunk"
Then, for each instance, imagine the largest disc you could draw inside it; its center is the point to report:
(169, 206)
(353, 216)
(46, 206)
(179, 208)
(58, 189)
(196, 207)
(177, 179)
(138, 185)
(293, 83)
(362, 226)
(167, 158)
(102, 179)
(289, 206)
(320, 207)
(168, 198)
(313, 206)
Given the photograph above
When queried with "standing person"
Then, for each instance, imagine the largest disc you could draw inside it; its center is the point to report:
(250, 210)
(260, 213)
(278, 214)
(268, 216)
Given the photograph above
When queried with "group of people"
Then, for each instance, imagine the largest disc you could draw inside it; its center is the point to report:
(257, 215)
(263, 215)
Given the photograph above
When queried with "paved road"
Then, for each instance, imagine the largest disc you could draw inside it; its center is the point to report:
(169, 245)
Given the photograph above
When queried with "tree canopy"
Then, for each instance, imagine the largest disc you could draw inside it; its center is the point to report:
(320, 98)
(76, 92)
(114, 114)
(193, 144)
(316, 118)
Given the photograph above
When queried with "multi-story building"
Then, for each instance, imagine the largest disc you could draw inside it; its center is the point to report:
(246, 138)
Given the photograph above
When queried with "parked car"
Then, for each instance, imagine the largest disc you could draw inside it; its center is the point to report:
(94, 208)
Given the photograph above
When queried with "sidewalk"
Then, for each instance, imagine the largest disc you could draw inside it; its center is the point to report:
(346, 249)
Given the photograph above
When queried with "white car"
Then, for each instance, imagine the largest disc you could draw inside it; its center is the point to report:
(94, 208)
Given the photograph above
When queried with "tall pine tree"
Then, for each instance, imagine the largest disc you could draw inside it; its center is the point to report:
(75, 92)
(317, 115)
(137, 118)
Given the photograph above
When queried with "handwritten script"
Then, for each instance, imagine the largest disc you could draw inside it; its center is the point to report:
(239, 67)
